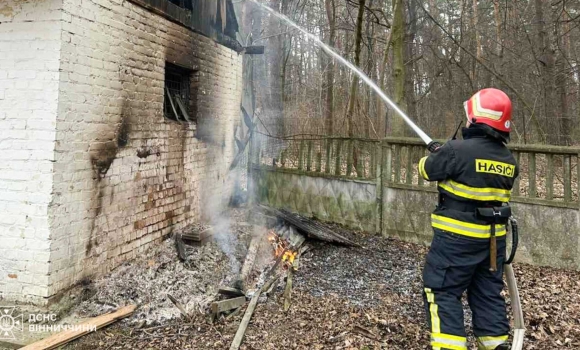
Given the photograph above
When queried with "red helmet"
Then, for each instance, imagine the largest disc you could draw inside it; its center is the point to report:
(492, 107)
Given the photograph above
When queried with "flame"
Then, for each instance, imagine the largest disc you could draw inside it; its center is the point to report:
(278, 243)
(289, 256)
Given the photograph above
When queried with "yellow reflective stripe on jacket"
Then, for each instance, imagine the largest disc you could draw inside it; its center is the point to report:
(465, 228)
(422, 171)
(448, 341)
(475, 193)
(490, 343)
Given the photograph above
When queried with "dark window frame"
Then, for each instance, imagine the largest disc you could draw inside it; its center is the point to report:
(177, 93)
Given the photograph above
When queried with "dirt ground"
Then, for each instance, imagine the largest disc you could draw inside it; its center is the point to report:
(346, 298)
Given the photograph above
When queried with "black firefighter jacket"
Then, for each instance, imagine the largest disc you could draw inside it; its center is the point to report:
(478, 171)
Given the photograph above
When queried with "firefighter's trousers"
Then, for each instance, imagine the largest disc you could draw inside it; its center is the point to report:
(456, 264)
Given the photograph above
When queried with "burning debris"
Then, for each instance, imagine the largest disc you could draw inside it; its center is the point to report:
(308, 226)
(185, 279)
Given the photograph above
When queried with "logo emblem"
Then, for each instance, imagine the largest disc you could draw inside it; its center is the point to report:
(9, 323)
(507, 124)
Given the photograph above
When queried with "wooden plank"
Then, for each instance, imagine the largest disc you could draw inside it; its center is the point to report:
(532, 175)
(550, 177)
(310, 227)
(59, 339)
(237, 341)
(567, 178)
(218, 307)
(318, 162)
(250, 258)
(288, 290)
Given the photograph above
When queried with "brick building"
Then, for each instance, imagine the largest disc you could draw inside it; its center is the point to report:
(117, 123)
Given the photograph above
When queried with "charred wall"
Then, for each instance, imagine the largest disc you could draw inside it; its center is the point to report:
(125, 176)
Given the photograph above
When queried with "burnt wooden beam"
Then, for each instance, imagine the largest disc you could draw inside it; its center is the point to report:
(250, 259)
(230, 292)
(253, 50)
(309, 226)
(239, 337)
(218, 307)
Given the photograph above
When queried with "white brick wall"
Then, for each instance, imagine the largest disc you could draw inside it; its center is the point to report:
(30, 34)
(75, 76)
(112, 79)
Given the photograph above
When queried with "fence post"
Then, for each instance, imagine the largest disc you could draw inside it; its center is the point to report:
(301, 156)
(309, 156)
(532, 174)
(349, 154)
(386, 175)
(338, 164)
(409, 170)
(376, 164)
(516, 188)
(328, 150)
(567, 178)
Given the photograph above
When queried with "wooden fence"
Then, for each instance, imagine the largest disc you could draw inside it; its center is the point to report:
(374, 186)
(548, 174)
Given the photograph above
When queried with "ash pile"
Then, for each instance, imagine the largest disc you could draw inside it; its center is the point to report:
(211, 272)
(151, 281)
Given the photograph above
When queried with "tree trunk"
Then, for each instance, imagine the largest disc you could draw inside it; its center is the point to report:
(357, 50)
(329, 118)
(546, 60)
(476, 42)
(275, 57)
(411, 31)
(398, 28)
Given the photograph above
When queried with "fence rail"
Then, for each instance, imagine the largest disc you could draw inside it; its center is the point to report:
(548, 174)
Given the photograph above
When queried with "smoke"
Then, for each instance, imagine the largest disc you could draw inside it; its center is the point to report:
(219, 218)
(226, 240)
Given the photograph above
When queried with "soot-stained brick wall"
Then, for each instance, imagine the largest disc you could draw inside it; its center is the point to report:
(91, 172)
(124, 176)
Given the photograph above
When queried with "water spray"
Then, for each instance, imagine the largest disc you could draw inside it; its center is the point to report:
(354, 68)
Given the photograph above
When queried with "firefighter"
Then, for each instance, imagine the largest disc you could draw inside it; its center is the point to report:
(475, 177)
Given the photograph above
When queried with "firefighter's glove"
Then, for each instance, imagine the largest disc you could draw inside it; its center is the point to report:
(434, 146)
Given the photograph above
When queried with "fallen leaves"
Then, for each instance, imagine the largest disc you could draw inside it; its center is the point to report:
(361, 299)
